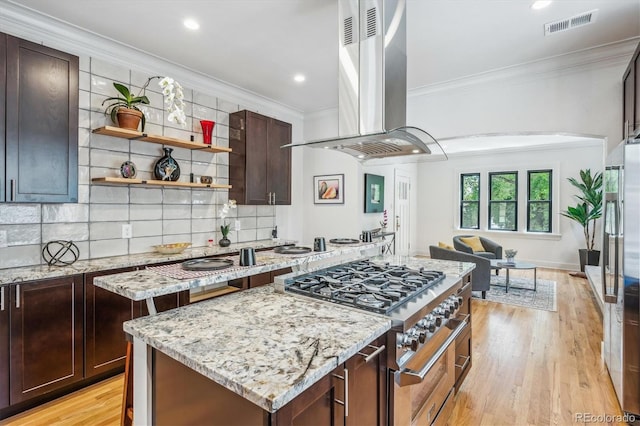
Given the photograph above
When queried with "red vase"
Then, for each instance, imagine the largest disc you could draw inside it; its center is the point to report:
(207, 130)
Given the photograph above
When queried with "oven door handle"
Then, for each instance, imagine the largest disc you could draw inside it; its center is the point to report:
(408, 376)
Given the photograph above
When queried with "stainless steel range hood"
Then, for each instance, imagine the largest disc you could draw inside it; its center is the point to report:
(372, 84)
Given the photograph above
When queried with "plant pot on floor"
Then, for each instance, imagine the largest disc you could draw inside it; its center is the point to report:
(588, 257)
(129, 118)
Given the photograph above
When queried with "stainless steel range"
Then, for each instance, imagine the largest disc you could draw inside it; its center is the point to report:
(428, 313)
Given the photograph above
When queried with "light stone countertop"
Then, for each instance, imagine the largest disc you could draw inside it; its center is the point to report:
(143, 284)
(29, 273)
(264, 345)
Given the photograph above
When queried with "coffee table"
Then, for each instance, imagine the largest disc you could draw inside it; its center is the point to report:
(500, 264)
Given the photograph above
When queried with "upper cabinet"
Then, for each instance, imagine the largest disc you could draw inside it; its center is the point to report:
(38, 123)
(631, 97)
(259, 169)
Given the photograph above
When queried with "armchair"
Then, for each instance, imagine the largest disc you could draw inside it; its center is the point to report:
(491, 250)
(480, 276)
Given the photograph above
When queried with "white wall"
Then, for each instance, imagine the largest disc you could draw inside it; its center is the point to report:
(438, 201)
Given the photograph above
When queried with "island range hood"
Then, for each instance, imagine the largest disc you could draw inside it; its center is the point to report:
(372, 84)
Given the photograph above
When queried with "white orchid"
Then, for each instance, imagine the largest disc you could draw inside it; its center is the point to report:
(174, 99)
(223, 213)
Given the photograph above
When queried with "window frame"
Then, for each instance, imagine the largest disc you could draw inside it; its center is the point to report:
(463, 202)
(549, 201)
(490, 202)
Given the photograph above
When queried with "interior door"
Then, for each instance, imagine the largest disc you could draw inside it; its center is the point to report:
(402, 202)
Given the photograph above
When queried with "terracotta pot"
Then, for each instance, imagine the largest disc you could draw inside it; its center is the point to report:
(129, 118)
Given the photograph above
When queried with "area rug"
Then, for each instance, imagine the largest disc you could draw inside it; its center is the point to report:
(544, 298)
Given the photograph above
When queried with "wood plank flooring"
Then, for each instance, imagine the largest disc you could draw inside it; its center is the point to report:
(530, 367)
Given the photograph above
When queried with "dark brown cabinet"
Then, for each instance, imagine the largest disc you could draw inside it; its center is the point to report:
(266, 277)
(259, 169)
(40, 120)
(46, 335)
(105, 343)
(4, 346)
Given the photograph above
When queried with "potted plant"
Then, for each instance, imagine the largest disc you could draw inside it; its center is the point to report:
(225, 227)
(586, 212)
(125, 111)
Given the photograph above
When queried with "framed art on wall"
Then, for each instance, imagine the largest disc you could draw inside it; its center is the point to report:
(328, 189)
(373, 193)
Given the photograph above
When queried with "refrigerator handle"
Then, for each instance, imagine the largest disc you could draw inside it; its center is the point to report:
(613, 297)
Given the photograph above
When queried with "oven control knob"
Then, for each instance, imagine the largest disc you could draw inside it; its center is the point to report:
(443, 311)
(422, 337)
(423, 323)
(413, 344)
(460, 300)
(435, 319)
(454, 301)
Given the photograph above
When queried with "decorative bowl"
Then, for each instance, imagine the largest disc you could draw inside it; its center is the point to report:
(172, 248)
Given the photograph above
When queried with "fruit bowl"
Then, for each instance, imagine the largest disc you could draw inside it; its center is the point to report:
(173, 248)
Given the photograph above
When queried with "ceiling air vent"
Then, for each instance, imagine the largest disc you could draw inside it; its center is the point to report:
(348, 31)
(571, 23)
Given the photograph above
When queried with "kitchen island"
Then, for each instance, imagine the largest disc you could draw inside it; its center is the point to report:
(257, 351)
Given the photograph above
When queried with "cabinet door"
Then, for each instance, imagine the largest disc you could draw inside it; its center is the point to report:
(279, 161)
(46, 336)
(4, 346)
(41, 123)
(637, 94)
(367, 387)
(105, 342)
(628, 102)
(257, 189)
(3, 79)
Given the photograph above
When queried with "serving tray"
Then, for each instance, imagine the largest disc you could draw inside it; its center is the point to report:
(291, 250)
(206, 264)
(343, 241)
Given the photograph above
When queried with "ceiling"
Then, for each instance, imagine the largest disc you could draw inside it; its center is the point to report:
(260, 44)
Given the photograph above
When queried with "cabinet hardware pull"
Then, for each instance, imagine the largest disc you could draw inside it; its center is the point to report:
(269, 196)
(274, 198)
(373, 354)
(464, 364)
(13, 189)
(344, 403)
(18, 296)
(2, 299)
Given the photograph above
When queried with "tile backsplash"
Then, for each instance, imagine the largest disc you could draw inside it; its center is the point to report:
(157, 215)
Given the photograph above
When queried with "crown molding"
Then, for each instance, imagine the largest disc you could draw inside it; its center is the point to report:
(34, 26)
(612, 54)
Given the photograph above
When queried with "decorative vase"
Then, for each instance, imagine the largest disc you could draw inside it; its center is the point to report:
(167, 168)
(129, 118)
(207, 130)
(224, 242)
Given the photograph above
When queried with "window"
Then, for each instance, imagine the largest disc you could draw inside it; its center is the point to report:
(503, 201)
(470, 201)
(539, 201)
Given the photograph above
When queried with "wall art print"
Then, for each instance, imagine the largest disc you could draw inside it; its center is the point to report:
(373, 193)
(328, 189)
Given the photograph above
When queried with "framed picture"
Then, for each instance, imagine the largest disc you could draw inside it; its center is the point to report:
(373, 193)
(328, 189)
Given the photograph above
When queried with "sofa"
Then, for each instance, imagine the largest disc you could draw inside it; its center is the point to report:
(492, 250)
(480, 276)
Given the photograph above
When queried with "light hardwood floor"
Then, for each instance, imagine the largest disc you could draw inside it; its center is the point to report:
(530, 367)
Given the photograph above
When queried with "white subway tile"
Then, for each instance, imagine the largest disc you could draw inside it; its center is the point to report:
(16, 256)
(204, 169)
(57, 213)
(84, 81)
(247, 222)
(109, 70)
(265, 222)
(222, 158)
(84, 137)
(204, 100)
(222, 117)
(266, 210)
(104, 86)
(145, 148)
(83, 249)
(108, 212)
(144, 163)
(203, 157)
(19, 213)
(65, 231)
(145, 211)
(105, 230)
(153, 116)
(146, 228)
(144, 245)
(110, 159)
(139, 79)
(263, 234)
(178, 226)
(84, 63)
(222, 132)
(83, 175)
(244, 211)
(110, 143)
(247, 235)
(96, 172)
(109, 194)
(83, 156)
(105, 248)
(200, 239)
(177, 238)
(83, 194)
(222, 171)
(203, 225)
(203, 211)
(203, 196)
(22, 235)
(145, 195)
(201, 112)
(177, 196)
(176, 211)
(227, 106)
(84, 99)
(84, 119)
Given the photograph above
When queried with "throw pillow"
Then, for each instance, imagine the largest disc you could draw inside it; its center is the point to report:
(474, 243)
(445, 246)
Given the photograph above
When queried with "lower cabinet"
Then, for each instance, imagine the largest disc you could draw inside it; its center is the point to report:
(353, 394)
(46, 336)
(4, 346)
(463, 342)
(105, 343)
(266, 277)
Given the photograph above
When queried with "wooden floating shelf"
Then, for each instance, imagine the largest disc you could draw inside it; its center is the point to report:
(125, 181)
(163, 140)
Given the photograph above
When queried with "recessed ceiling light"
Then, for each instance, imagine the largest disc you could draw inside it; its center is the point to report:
(416, 151)
(540, 4)
(299, 78)
(191, 24)
(361, 156)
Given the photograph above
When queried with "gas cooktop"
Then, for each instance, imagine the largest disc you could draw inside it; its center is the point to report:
(379, 288)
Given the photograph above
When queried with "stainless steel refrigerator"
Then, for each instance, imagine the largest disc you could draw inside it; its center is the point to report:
(621, 273)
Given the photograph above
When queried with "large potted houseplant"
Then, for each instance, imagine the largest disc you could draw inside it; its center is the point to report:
(125, 111)
(586, 212)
